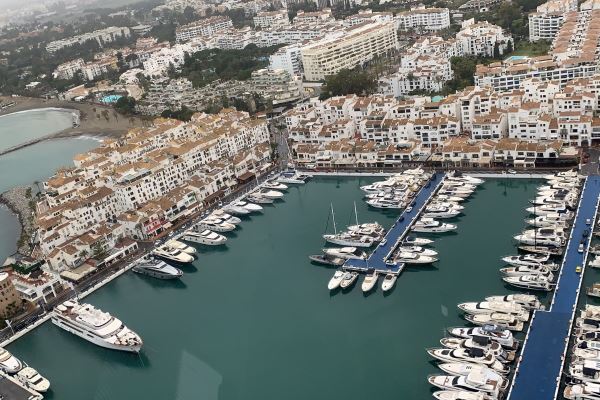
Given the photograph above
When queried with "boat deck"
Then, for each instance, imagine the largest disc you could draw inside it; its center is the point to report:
(378, 259)
(11, 389)
(538, 371)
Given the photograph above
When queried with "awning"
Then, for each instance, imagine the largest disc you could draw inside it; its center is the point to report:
(246, 176)
(215, 196)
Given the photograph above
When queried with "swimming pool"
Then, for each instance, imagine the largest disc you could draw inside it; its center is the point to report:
(515, 58)
(110, 99)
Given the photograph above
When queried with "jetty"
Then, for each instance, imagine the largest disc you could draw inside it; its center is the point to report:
(379, 259)
(539, 367)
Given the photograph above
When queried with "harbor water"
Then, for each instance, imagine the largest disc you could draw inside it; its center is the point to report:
(32, 163)
(254, 320)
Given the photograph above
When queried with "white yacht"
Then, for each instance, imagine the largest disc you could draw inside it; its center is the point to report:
(8, 362)
(172, 254)
(388, 282)
(461, 395)
(476, 356)
(413, 258)
(236, 210)
(586, 353)
(507, 321)
(532, 282)
(582, 391)
(527, 270)
(422, 251)
(416, 241)
(548, 209)
(454, 193)
(432, 226)
(369, 281)
(532, 239)
(270, 194)
(345, 252)
(156, 269)
(274, 185)
(215, 224)
(327, 260)
(433, 211)
(349, 279)
(595, 262)
(486, 307)
(527, 259)
(222, 215)
(585, 371)
(336, 279)
(446, 204)
(528, 301)
(259, 198)
(205, 236)
(372, 229)
(33, 380)
(550, 250)
(474, 382)
(349, 239)
(458, 176)
(291, 178)
(176, 244)
(446, 198)
(494, 332)
(479, 342)
(95, 326)
(458, 185)
(570, 174)
(393, 204)
(251, 207)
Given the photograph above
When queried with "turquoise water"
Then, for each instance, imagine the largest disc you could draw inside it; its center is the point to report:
(21, 127)
(110, 99)
(255, 320)
(516, 58)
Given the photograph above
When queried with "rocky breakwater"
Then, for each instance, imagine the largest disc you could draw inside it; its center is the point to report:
(20, 201)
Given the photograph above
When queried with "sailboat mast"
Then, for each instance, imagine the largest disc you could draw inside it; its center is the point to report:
(333, 219)
(355, 214)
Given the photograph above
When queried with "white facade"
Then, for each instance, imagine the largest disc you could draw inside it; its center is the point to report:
(268, 19)
(347, 49)
(287, 58)
(102, 36)
(204, 27)
(426, 19)
(482, 39)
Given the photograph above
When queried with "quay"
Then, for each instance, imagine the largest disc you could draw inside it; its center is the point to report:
(12, 389)
(379, 259)
(538, 372)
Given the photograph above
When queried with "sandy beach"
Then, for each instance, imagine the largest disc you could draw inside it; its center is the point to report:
(95, 120)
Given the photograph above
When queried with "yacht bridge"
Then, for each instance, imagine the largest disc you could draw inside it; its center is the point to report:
(378, 259)
(538, 372)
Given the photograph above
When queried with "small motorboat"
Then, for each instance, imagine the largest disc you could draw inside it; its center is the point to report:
(336, 279)
(388, 282)
(369, 281)
(349, 279)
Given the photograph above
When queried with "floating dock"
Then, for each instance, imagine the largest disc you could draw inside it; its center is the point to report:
(539, 367)
(379, 259)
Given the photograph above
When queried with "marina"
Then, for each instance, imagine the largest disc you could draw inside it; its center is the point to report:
(544, 352)
(231, 282)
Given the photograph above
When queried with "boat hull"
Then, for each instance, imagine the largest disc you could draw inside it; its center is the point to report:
(94, 340)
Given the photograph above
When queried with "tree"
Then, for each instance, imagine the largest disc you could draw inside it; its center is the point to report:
(349, 82)
(125, 105)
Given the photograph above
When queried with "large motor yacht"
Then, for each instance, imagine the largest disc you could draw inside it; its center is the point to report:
(461, 395)
(270, 194)
(526, 259)
(259, 198)
(349, 239)
(156, 269)
(476, 356)
(548, 209)
(475, 382)
(582, 391)
(176, 244)
(251, 207)
(494, 332)
(532, 282)
(413, 258)
(430, 225)
(205, 236)
(528, 301)
(345, 252)
(96, 326)
(435, 211)
(171, 254)
(274, 185)
(8, 362)
(486, 307)
(32, 379)
(527, 270)
(507, 321)
(479, 342)
(236, 210)
(422, 251)
(215, 224)
(416, 241)
(222, 215)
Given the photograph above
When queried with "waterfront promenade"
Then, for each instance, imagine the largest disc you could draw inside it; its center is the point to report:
(378, 260)
(538, 371)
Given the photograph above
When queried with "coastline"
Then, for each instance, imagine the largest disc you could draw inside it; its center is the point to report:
(95, 120)
(16, 201)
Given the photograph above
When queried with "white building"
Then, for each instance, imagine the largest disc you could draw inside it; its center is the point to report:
(102, 36)
(347, 49)
(203, 27)
(425, 19)
(483, 39)
(546, 21)
(287, 58)
(268, 19)
(278, 85)
(69, 69)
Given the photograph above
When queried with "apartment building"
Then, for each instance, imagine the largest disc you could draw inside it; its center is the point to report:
(347, 49)
(69, 69)
(278, 85)
(296, 33)
(315, 17)
(423, 19)
(367, 16)
(146, 182)
(158, 62)
(577, 42)
(9, 297)
(483, 39)
(102, 36)
(202, 28)
(96, 69)
(546, 21)
(269, 19)
(287, 58)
